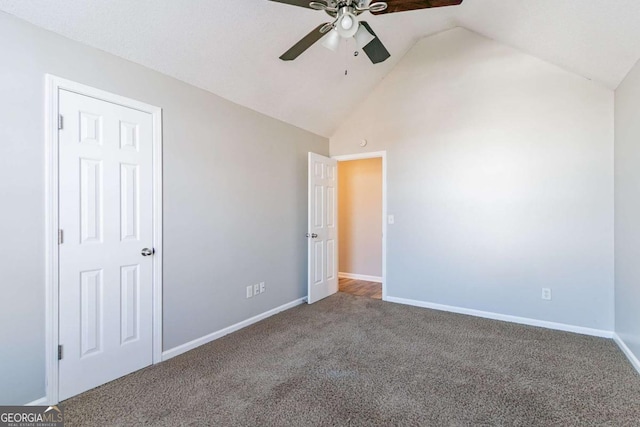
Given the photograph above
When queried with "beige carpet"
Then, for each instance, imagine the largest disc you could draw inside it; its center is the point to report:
(350, 361)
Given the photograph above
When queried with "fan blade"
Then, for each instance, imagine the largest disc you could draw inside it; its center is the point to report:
(375, 50)
(301, 3)
(304, 44)
(406, 5)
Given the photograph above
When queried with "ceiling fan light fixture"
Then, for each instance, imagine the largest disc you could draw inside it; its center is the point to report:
(347, 25)
(363, 36)
(332, 40)
(346, 22)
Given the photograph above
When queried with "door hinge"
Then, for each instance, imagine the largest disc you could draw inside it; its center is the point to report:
(60, 122)
(60, 237)
(59, 352)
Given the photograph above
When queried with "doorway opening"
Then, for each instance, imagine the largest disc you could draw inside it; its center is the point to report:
(361, 226)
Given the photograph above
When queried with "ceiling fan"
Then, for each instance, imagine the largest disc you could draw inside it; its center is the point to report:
(345, 24)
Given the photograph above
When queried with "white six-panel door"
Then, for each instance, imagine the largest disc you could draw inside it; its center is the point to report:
(105, 214)
(323, 233)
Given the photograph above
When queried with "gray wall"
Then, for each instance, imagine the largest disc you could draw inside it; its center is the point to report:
(500, 177)
(234, 184)
(627, 210)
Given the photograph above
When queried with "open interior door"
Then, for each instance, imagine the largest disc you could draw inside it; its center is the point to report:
(323, 233)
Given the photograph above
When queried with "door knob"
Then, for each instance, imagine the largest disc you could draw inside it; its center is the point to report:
(148, 252)
(313, 236)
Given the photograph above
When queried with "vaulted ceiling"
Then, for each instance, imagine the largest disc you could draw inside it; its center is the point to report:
(231, 47)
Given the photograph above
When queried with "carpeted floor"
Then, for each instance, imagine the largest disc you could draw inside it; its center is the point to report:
(349, 361)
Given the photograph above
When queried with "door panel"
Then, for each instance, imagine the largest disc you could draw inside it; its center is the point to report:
(90, 201)
(130, 312)
(129, 202)
(91, 306)
(323, 274)
(105, 211)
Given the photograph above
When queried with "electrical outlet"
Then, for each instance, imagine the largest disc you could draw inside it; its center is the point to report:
(249, 291)
(256, 289)
(262, 287)
(546, 294)
(391, 219)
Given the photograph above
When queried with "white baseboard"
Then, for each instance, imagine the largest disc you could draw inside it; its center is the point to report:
(627, 352)
(506, 318)
(226, 331)
(376, 279)
(39, 402)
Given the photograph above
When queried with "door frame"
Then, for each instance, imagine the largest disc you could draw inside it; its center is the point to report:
(383, 156)
(53, 85)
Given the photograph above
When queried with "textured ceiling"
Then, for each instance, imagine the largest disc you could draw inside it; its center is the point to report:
(231, 48)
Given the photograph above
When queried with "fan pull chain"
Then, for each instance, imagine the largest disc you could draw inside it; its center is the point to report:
(346, 57)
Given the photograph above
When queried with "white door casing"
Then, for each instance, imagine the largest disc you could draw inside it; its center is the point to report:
(322, 226)
(106, 216)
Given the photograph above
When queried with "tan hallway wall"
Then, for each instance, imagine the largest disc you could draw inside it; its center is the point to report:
(360, 216)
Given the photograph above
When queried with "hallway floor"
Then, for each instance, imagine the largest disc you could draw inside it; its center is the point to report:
(360, 288)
